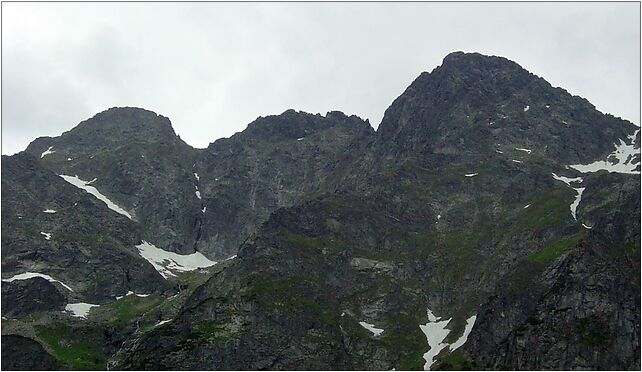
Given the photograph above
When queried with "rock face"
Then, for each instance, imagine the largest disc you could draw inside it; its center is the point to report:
(23, 354)
(24, 297)
(51, 227)
(278, 161)
(208, 200)
(138, 162)
(458, 225)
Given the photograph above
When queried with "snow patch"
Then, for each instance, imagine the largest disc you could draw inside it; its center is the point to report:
(128, 293)
(204, 209)
(80, 309)
(162, 322)
(471, 175)
(576, 202)
(197, 177)
(517, 161)
(198, 194)
(624, 159)
(47, 152)
(29, 275)
(526, 206)
(166, 263)
(578, 190)
(435, 331)
(586, 227)
(526, 108)
(470, 322)
(93, 191)
(371, 328)
(132, 293)
(522, 149)
(300, 139)
(567, 180)
(46, 235)
(49, 211)
(499, 151)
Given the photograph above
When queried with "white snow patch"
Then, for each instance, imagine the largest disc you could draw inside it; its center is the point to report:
(128, 293)
(576, 202)
(198, 194)
(470, 174)
(567, 180)
(47, 152)
(517, 161)
(499, 151)
(166, 263)
(80, 309)
(579, 191)
(526, 206)
(46, 235)
(69, 159)
(371, 328)
(197, 177)
(522, 149)
(93, 191)
(625, 159)
(548, 106)
(204, 209)
(435, 331)
(29, 275)
(49, 211)
(163, 322)
(526, 108)
(300, 139)
(470, 322)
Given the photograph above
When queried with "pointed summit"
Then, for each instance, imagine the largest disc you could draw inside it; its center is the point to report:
(472, 103)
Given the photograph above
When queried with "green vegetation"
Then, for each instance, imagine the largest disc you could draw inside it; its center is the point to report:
(548, 210)
(406, 336)
(555, 250)
(130, 307)
(593, 333)
(75, 349)
(329, 245)
(212, 333)
(455, 361)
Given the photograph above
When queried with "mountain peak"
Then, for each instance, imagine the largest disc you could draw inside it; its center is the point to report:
(472, 102)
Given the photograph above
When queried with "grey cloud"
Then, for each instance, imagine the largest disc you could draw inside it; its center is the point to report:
(214, 67)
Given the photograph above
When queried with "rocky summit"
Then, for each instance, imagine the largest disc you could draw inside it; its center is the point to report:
(491, 221)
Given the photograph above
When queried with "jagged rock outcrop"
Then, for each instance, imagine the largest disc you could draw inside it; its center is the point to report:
(51, 227)
(23, 354)
(452, 197)
(462, 222)
(24, 297)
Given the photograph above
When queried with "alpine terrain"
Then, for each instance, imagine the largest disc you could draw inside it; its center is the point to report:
(491, 221)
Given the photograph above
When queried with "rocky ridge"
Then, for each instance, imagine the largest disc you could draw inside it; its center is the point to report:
(458, 224)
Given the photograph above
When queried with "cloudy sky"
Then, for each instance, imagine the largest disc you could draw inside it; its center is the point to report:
(213, 68)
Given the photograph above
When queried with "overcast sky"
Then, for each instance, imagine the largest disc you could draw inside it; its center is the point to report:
(214, 67)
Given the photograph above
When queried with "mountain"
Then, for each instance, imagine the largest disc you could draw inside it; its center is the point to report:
(486, 224)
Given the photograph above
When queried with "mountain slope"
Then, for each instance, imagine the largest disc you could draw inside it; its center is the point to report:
(442, 211)
(485, 224)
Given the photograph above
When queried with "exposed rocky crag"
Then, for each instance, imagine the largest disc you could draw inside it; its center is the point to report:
(463, 218)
